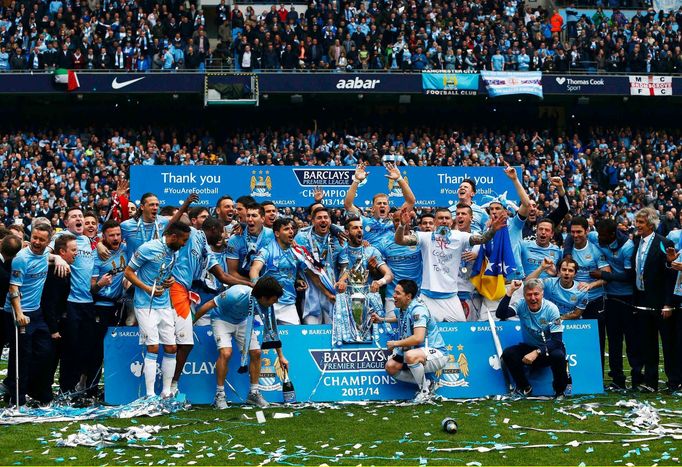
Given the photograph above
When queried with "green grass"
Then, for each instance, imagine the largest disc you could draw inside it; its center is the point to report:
(373, 434)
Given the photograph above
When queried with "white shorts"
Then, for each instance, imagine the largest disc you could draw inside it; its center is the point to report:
(184, 332)
(286, 314)
(435, 360)
(223, 332)
(444, 309)
(389, 308)
(156, 327)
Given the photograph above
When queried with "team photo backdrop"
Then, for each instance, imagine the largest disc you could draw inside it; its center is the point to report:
(321, 373)
(295, 186)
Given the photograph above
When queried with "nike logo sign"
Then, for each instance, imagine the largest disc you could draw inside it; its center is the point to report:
(116, 85)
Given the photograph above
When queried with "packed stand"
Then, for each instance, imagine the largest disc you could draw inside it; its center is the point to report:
(607, 170)
(102, 35)
(469, 36)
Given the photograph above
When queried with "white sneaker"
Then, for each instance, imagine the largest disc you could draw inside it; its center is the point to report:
(219, 401)
(257, 399)
(422, 397)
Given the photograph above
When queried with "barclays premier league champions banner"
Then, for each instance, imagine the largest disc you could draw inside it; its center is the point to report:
(503, 83)
(295, 186)
(321, 372)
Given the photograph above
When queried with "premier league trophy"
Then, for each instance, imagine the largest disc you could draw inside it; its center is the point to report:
(352, 321)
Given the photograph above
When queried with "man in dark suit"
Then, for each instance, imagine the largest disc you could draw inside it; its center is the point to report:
(653, 300)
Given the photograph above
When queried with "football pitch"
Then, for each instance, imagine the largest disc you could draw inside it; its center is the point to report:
(610, 429)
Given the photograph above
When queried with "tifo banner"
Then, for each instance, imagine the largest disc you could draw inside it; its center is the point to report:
(295, 186)
(585, 85)
(651, 85)
(667, 5)
(339, 83)
(503, 83)
(450, 84)
(354, 372)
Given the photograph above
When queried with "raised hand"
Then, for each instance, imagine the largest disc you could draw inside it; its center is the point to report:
(510, 171)
(360, 172)
(392, 171)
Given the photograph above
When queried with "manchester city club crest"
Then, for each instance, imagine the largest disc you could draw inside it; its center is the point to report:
(271, 373)
(456, 370)
(261, 184)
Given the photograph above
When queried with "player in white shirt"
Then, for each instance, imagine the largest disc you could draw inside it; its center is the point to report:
(442, 254)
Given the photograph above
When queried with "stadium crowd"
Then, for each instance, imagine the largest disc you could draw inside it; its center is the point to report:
(397, 35)
(612, 171)
(78, 255)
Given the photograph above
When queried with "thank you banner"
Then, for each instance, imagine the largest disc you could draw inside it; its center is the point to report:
(353, 372)
(295, 186)
(450, 84)
(503, 83)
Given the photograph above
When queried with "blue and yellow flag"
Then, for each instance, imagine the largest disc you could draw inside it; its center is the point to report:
(495, 262)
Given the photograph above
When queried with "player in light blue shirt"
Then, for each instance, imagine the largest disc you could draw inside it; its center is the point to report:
(22, 307)
(229, 312)
(361, 259)
(405, 262)
(590, 258)
(242, 249)
(78, 327)
(534, 251)
(542, 334)
(148, 226)
(618, 251)
(563, 290)
(326, 250)
(380, 225)
(466, 193)
(149, 271)
(277, 259)
(420, 346)
(107, 291)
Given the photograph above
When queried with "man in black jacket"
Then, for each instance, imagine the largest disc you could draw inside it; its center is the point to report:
(53, 303)
(653, 301)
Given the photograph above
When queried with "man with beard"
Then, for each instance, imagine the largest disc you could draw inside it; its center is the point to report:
(150, 271)
(379, 225)
(78, 319)
(224, 209)
(106, 286)
(590, 258)
(242, 248)
(148, 225)
(278, 260)
(326, 251)
(363, 257)
(542, 334)
(563, 290)
(193, 259)
(466, 193)
(531, 225)
(441, 252)
(22, 309)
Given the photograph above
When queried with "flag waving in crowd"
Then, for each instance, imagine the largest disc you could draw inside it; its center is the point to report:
(494, 263)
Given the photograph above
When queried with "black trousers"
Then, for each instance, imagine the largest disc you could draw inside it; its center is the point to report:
(556, 359)
(649, 325)
(620, 326)
(36, 355)
(595, 310)
(79, 337)
(105, 316)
